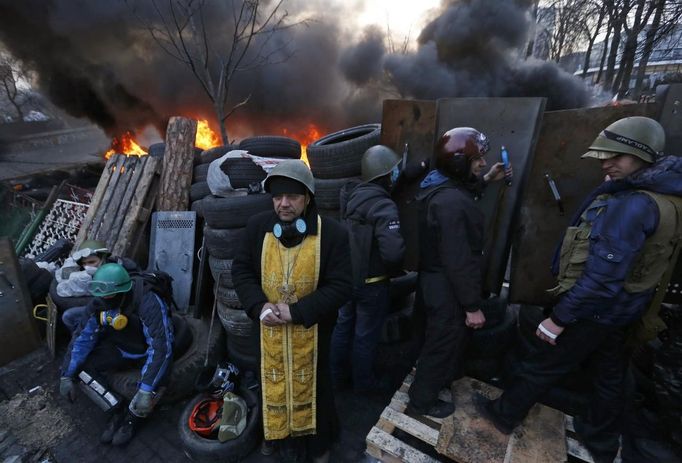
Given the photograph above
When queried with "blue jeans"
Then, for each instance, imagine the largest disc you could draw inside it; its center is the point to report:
(357, 334)
(74, 318)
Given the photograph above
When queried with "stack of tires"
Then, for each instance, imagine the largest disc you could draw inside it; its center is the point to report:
(335, 160)
(225, 219)
(199, 189)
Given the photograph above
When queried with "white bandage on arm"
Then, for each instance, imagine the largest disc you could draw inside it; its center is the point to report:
(265, 313)
(546, 332)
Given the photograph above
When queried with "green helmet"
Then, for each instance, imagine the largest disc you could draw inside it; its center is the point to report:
(90, 247)
(378, 161)
(639, 136)
(110, 279)
(294, 169)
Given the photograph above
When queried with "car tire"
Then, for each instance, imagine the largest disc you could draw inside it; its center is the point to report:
(327, 191)
(272, 147)
(221, 270)
(234, 212)
(338, 154)
(211, 154)
(199, 191)
(202, 449)
(224, 243)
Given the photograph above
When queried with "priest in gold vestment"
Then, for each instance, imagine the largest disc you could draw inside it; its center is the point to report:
(292, 273)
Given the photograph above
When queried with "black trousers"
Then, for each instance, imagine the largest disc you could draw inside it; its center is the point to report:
(604, 347)
(445, 339)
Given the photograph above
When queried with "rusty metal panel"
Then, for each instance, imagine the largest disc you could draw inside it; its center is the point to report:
(669, 100)
(412, 122)
(18, 330)
(514, 123)
(564, 137)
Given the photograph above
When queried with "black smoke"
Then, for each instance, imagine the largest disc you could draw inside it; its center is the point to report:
(473, 48)
(96, 59)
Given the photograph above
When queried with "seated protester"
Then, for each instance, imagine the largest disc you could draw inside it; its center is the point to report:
(121, 332)
(75, 275)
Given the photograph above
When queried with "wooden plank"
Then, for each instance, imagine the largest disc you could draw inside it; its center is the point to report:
(116, 205)
(108, 194)
(541, 438)
(465, 436)
(390, 446)
(575, 449)
(139, 206)
(411, 426)
(96, 199)
(132, 187)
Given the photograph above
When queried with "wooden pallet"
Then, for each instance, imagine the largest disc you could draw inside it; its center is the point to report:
(474, 440)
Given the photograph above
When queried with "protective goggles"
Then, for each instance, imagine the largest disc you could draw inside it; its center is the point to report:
(105, 288)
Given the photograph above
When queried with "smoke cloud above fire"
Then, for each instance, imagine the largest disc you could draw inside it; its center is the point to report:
(96, 60)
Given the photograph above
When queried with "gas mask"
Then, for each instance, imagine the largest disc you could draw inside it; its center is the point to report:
(113, 318)
(290, 233)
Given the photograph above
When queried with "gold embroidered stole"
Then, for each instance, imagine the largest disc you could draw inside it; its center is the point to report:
(289, 352)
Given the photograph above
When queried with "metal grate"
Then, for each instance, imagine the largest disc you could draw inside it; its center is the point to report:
(175, 223)
(63, 221)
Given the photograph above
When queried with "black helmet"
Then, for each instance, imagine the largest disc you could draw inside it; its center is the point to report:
(456, 148)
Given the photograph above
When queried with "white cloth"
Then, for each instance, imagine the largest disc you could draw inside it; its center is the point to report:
(219, 182)
(72, 281)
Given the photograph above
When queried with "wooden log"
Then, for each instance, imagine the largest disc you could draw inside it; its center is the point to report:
(116, 203)
(127, 198)
(104, 203)
(96, 199)
(176, 176)
(138, 205)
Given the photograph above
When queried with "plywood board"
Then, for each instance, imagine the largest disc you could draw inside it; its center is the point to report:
(564, 137)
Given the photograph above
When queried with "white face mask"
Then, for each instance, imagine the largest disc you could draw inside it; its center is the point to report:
(90, 269)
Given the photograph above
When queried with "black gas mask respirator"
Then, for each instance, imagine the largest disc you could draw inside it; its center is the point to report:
(290, 233)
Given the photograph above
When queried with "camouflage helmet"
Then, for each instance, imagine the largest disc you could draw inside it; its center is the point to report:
(294, 169)
(110, 279)
(379, 160)
(638, 136)
(90, 247)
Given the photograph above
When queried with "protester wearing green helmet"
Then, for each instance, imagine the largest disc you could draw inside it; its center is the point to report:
(377, 249)
(119, 332)
(613, 255)
(74, 277)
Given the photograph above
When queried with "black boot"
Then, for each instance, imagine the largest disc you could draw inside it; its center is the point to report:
(440, 409)
(111, 427)
(126, 431)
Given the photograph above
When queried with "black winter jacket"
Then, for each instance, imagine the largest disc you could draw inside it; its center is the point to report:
(451, 228)
(334, 285)
(377, 246)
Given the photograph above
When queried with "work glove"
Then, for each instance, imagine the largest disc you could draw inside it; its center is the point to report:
(67, 388)
(142, 403)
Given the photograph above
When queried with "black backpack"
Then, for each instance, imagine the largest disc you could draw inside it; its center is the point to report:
(157, 281)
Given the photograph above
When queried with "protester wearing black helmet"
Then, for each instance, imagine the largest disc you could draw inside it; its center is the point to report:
(451, 230)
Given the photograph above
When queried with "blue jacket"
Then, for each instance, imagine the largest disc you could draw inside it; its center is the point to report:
(628, 219)
(148, 335)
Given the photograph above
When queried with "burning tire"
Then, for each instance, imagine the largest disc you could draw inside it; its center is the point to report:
(272, 147)
(235, 211)
(224, 243)
(338, 154)
(327, 192)
(200, 448)
(211, 154)
(185, 368)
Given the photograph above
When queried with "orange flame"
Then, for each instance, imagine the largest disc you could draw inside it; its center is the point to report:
(125, 144)
(206, 138)
(305, 137)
